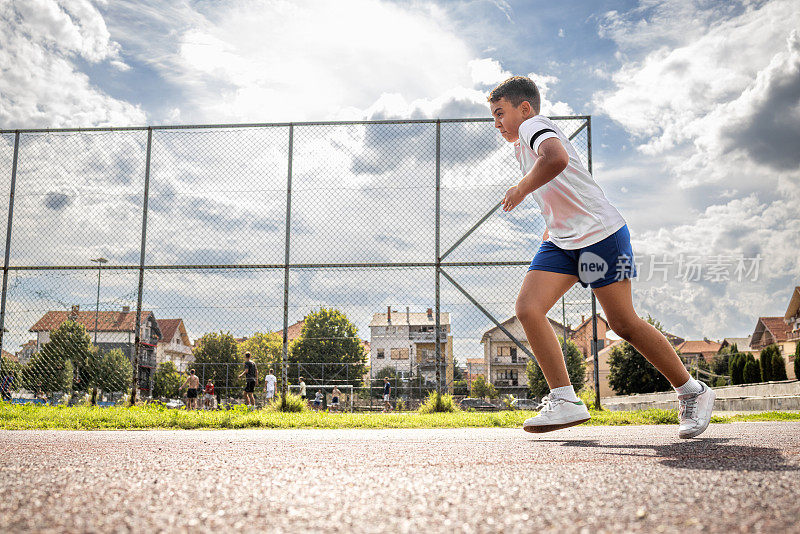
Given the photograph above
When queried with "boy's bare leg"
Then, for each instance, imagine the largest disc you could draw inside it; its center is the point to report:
(615, 298)
(540, 291)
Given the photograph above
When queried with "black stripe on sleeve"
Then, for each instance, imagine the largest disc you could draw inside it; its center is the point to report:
(540, 132)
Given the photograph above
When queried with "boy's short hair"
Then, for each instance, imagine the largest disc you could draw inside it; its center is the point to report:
(517, 90)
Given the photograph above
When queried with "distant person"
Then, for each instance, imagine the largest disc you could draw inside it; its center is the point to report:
(387, 391)
(335, 394)
(193, 386)
(269, 386)
(251, 374)
(303, 389)
(208, 397)
(318, 400)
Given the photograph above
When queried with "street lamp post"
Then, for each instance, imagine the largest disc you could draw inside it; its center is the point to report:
(100, 261)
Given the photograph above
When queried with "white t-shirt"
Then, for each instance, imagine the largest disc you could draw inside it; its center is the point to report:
(270, 381)
(575, 209)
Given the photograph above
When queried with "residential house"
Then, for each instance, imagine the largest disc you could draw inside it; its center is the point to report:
(774, 330)
(407, 342)
(583, 335)
(692, 351)
(475, 367)
(174, 345)
(505, 364)
(792, 319)
(742, 343)
(603, 357)
(604, 368)
(115, 330)
(26, 351)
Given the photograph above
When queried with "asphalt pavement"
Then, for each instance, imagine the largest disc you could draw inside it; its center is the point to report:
(739, 477)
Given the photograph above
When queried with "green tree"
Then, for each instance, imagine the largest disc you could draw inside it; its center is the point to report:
(737, 362)
(70, 341)
(266, 351)
(778, 365)
(116, 371)
(576, 368)
(751, 373)
(797, 361)
(631, 373)
(330, 342)
(720, 363)
(481, 388)
(217, 357)
(47, 375)
(167, 380)
(765, 362)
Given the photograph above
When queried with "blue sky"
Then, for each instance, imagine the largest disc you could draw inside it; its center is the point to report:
(695, 112)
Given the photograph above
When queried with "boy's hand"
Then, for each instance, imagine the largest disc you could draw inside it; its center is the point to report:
(512, 199)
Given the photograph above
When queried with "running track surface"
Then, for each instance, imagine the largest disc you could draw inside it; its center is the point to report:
(740, 477)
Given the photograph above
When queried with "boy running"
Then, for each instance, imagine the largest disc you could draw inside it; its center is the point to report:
(586, 241)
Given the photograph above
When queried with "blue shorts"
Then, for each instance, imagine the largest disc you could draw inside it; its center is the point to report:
(598, 265)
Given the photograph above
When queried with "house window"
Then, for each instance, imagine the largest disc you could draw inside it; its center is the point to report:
(399, 354)
(380, 354)
(513, 354)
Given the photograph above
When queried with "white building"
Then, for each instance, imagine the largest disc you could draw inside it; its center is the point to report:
(407, 342)
(174, 345)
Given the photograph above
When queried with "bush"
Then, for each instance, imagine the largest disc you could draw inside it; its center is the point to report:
(587, 396)
(720, 382)
(751, 373)
(576, 369)
(436, 403)
(778, 366)
(294, 403)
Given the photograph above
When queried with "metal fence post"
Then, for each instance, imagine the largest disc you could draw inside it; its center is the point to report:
(137, 338)
(594, 300)
(8, 236)
(438, 257)
(284, 354)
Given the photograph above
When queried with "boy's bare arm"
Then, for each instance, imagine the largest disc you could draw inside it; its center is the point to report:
(551, 161)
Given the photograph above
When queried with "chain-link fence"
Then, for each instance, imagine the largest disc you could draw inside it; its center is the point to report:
(343, 253)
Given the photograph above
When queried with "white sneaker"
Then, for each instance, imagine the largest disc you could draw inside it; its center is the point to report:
(694, 410)
(557, 414)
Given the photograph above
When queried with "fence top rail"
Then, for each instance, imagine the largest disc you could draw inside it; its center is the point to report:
(111, 129)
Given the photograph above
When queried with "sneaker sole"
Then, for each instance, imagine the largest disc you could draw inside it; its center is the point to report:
(539, 429)
(702, 429)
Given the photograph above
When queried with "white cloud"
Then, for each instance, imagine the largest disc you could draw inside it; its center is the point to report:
(487, 71)
(710, 94)
(327, 56)
(40, 86)
(543, 83)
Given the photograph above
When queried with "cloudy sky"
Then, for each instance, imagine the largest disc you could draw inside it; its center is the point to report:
(695, 111)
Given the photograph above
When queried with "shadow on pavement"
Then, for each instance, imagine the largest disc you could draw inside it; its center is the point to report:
(710, 453)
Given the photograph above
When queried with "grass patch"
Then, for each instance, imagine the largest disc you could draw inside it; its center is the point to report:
(20, 417)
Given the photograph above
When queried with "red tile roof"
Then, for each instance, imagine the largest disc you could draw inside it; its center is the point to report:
(777, 327)
(699, 347)
(107, 321)
(294, 330)
(168, 328)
